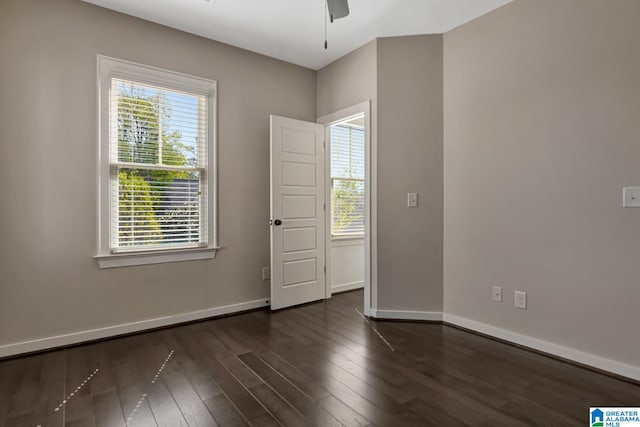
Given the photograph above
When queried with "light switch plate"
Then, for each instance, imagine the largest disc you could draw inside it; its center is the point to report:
(497, 293)
(631, 197)
(412, 200)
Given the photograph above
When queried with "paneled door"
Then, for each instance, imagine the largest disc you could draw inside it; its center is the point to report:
(297, 212)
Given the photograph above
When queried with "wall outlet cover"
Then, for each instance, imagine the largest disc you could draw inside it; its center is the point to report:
(520, 300)
(412, 200)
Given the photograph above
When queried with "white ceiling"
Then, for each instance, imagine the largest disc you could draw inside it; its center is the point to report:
(293, 30)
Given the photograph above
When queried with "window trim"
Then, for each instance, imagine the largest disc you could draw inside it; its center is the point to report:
(108, 68)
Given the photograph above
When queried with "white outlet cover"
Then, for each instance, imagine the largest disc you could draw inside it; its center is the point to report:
(412, 200)
(520, 300)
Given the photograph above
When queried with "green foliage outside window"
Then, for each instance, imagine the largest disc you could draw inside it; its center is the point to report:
(143, 124)
(348, 196)
(135, 203)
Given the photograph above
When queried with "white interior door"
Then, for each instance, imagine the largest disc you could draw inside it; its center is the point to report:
(297, 212)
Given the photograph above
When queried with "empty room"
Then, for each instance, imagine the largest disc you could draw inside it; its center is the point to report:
(319, 213)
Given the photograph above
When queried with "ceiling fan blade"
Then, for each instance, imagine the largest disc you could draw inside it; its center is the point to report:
(338, 9)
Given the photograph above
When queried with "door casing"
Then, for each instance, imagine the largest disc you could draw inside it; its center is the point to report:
(370, 223)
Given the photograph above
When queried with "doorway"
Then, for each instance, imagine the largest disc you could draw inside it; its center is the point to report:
(315, 209)
(345, 205)
(348, 195)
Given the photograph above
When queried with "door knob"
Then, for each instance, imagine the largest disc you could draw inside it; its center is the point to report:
(277, 222)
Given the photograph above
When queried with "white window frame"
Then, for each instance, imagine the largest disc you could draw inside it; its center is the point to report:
(109, 68)
(342, 236)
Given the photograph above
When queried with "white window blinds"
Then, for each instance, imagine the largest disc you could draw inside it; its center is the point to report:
(347, 180)
(158, 167)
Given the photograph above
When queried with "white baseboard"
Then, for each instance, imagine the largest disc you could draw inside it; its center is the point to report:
(344, 287)
(594, 361)
(126, 328)
(434, 316)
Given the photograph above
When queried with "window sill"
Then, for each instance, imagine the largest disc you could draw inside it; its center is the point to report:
(158, 257)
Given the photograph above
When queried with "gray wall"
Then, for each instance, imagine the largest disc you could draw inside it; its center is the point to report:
(403, 77)
(346, 82)
(49, 282)
(542, 131)
(410, 160)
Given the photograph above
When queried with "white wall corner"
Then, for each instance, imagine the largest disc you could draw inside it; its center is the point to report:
(433, 316)
(601, 363)
(125, 328)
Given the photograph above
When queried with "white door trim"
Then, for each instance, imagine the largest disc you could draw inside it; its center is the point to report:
(370, 222)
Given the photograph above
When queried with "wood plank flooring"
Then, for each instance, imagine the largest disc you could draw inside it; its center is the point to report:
(317, 365)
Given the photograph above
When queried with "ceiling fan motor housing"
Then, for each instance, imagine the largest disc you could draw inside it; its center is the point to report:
(338, 9)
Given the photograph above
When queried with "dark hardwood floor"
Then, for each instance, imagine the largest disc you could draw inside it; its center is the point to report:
(321, 364)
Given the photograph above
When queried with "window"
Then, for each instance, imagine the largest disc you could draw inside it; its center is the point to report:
(347, 179)
(156, 165)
